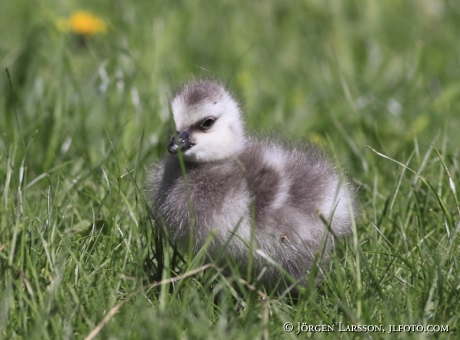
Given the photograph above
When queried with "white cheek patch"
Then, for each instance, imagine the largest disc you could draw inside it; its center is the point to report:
(218, 143)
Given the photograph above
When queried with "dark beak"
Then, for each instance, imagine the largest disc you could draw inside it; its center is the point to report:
(181, 142)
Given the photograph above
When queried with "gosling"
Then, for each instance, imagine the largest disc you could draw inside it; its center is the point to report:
(262, 203)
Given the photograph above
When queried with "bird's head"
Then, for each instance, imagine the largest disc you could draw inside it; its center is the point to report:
(208, 122)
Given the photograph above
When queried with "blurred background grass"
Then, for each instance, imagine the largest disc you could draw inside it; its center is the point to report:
(82, 117)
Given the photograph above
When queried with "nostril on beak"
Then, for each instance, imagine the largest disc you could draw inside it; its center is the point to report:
(183, 136)
(182, 142)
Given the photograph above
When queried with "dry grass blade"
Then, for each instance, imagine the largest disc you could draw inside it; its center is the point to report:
(117, 307)
(440, 201)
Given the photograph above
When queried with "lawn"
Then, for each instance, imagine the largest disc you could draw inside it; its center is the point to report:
(377, 83)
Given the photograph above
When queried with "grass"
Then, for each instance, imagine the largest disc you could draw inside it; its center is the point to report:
(377, 82)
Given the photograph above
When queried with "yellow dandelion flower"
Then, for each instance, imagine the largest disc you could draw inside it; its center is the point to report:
(83, 23)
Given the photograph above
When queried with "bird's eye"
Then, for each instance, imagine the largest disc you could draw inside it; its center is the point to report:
(207, 123)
